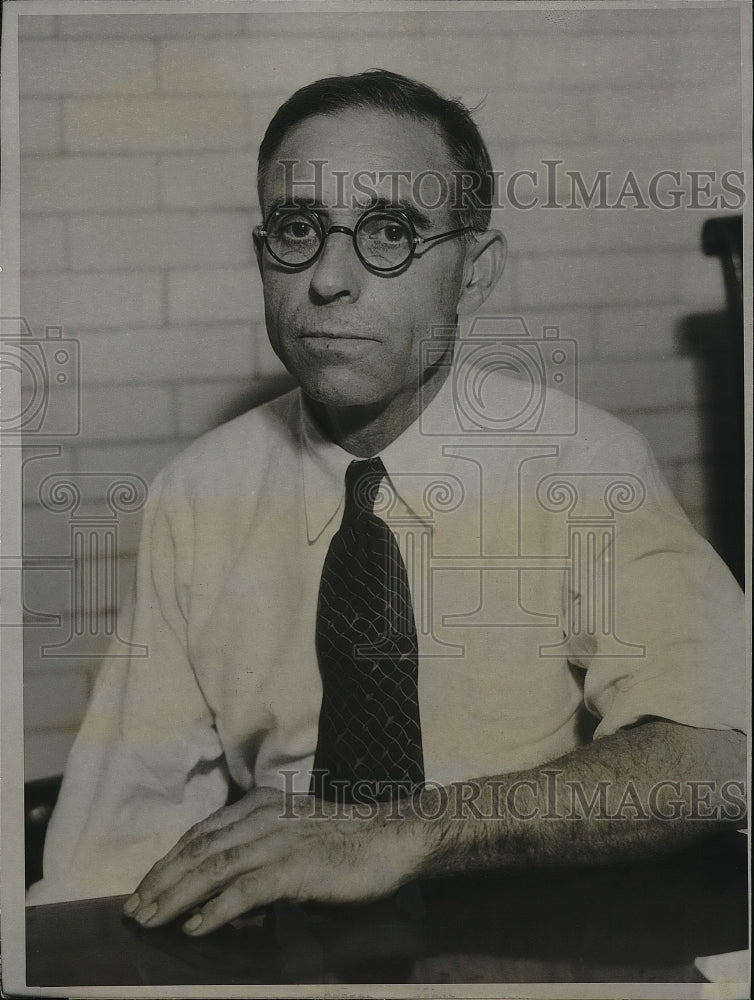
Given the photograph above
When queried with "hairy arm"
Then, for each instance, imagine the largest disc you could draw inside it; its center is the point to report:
(642, 791)
(645, 790)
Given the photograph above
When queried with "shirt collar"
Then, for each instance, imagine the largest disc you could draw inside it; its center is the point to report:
(409, 460)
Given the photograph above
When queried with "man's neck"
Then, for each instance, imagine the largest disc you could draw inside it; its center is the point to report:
(365, 431)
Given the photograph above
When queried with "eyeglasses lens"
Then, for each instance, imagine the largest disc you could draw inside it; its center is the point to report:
(385, 241)
(294, 237)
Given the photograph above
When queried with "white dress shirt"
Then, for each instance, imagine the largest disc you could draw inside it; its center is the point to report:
(559, 592)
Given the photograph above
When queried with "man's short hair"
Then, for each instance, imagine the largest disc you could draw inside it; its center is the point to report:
(383, 90)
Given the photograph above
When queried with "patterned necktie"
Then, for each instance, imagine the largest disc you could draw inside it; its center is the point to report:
(369, 746)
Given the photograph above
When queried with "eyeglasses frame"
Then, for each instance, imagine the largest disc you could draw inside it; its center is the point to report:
(261, 232)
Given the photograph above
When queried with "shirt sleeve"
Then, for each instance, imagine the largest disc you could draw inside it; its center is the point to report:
(147, 763)
(669, 638)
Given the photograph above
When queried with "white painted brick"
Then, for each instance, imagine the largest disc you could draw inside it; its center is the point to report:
(214, 295)
(40, 127)
(541, 60)
(559, 231)
(37, 469)
(581, 279)
(454, 64)
(90, 647)
(587, 159)
(246, 64)
(719, 155)
(126, 413)
(701, 281)
(673, 435)
(517, 20)
(47, 591)
(87, 183)
(562, 19)
(150, 25)
(535, 116)
(62, 66)
(352, 23)
(145, 458)
(574, 324)
(108, 300)
(135, 124)
(55, 700)
(639, 330)
(167, 354)
(47, 533)
(42, 243)
(160, 240)
(208, 180)
(643, 158)
(51, 591)
(709, 109)
(36, 25)
(45, 753)
(636, 385)
(717, 20)
(203, 405)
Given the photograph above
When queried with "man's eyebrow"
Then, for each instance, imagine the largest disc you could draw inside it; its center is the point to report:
(408, 208)
(313, 204)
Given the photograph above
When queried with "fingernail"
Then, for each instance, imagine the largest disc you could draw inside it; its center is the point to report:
(193, 922)
(131, 905)
(145, 915)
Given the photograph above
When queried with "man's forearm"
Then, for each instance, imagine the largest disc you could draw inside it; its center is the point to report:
(645, 790)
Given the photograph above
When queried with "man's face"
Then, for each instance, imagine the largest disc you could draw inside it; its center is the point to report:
(350, 336)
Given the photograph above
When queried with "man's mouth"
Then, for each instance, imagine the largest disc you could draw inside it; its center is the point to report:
(335, 335)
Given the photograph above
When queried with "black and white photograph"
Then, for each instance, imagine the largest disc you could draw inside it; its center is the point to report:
(375, 503)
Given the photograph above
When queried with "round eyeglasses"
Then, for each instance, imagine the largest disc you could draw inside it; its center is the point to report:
(384, 240)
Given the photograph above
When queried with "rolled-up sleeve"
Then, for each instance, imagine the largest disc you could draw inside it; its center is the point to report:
(671, 643)
(147, 762)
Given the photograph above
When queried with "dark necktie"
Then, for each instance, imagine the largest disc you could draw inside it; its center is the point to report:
(369, 744)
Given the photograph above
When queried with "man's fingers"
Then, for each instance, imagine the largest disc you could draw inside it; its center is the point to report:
(175, 890)
(222, 831)
(223, 818)
(247, 892)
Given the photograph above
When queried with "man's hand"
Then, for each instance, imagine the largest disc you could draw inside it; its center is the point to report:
(270, 846)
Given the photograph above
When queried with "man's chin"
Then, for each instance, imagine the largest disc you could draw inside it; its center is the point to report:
(335, 394)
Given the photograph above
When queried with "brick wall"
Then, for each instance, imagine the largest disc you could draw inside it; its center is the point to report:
(139, 136)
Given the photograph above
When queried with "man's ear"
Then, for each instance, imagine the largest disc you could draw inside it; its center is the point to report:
(258, 248)
(485, 260)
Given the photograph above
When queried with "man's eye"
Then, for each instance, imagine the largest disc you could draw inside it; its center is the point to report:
(297, 229)
(393, 233)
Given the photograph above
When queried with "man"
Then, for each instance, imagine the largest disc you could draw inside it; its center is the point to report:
(496, 656)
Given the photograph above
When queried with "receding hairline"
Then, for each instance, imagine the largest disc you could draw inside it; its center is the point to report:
(451, 161)
(399, 97)
(425, 119)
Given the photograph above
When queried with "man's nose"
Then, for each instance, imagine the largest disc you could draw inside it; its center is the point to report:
(337, 271)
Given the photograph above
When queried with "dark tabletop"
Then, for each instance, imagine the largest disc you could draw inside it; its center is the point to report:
(641, 922)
